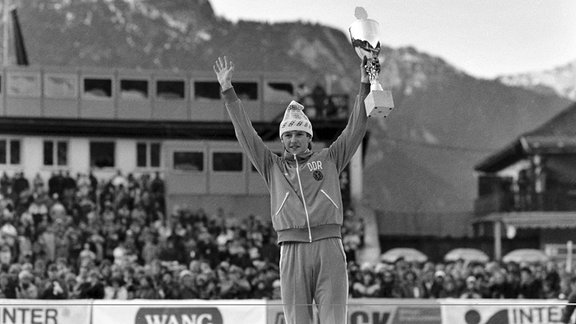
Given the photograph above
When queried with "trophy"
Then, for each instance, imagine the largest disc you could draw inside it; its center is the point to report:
(364, 37)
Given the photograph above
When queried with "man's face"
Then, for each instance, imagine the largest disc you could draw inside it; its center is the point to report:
(296, 142)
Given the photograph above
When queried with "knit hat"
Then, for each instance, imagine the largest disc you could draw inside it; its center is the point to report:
(295, 119)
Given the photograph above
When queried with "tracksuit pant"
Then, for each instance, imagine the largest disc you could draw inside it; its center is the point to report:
(314, 272)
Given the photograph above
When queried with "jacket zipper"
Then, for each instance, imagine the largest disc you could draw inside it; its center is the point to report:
(303, 199)
(325, 194)
(282, 204)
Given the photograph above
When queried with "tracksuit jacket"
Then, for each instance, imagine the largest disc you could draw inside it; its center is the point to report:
(306, 203)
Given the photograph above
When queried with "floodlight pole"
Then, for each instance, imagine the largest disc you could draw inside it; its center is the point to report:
(5, 33)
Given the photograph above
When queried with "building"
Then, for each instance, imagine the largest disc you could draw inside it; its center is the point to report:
(137, 121)
(527, 190)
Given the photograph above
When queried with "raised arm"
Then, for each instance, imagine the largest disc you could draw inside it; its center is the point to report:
(247, 136)
(348, 142)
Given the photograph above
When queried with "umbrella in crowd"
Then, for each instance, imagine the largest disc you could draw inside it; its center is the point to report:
(466, 254)
(408, 254)
(525, 255)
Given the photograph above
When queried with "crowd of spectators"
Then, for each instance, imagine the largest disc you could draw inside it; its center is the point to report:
(83, 237)
(460, 279)
(87, 238)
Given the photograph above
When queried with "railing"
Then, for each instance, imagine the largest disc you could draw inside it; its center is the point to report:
(529, 201)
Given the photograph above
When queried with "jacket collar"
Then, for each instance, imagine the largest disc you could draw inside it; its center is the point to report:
(303, 157)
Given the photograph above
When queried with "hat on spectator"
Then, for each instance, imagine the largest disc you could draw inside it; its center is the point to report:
(185, 273)
(295, 119)
(440, 273)
(25, 274)
(27, 266)
(365, 266)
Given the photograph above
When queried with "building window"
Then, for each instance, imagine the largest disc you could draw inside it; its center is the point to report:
(134, 89)
(188, 161)
(22, 84)
(206, 90)
(246, 90)
(97, 88)
(60, 86)
(9, 152)
(55, 153)
(148, 155)
(170, 90)
(278, 92)
(227, 162)
(102, 154)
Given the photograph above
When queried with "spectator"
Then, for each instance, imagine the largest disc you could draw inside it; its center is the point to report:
(437, 287)
(569, 309)
(498, 287)
(388, 284)
(26, 289)
(411, 286)
(367, 287)
(115, 289)
(168, 288)
(471, 290)
(93, 288)
(7, 286)
(187, 285)
(146, 289)
(530, 287)
(54, 287)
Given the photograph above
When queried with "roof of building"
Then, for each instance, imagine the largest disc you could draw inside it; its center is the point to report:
(325, 130)
(554, 136)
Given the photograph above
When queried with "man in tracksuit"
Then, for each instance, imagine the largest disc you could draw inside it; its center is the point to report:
(306, 204)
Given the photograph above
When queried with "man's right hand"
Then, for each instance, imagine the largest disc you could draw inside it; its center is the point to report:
(223, 69)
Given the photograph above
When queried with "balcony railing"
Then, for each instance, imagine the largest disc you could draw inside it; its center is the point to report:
(529, 201)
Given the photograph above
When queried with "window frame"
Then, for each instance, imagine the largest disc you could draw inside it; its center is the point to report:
(69, 76)
(35, 92)
(166, 79)
(188, 150)
(84, 94)
(8, 151)
(238, 89)
(102, 141)
(194, 96)
(148, 155)
(55, 149)
(224, 151)
(134, 79)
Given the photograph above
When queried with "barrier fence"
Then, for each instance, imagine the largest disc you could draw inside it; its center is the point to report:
(360, 311)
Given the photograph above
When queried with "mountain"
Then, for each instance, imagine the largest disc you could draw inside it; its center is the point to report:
(560, 80)
(419, 161)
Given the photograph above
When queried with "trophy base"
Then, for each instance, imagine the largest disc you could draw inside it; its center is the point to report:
(379, 103)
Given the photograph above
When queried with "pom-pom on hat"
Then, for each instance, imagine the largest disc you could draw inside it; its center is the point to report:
(295, 119)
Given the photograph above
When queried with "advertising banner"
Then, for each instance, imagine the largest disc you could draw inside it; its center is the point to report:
(19, 311)
(501, 311)
(377, 311)
(393, 311)
(180, 312)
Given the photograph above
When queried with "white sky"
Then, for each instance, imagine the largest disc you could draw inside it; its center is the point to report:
(485, 38)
